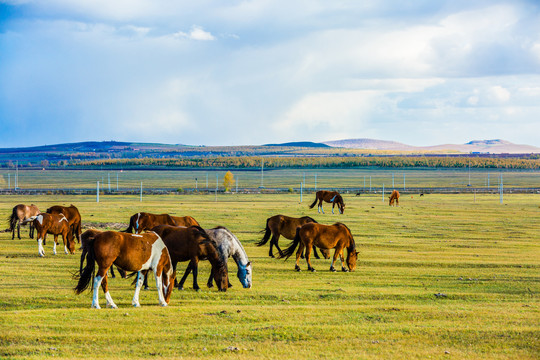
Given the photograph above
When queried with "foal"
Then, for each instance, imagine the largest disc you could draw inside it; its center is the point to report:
(54, 224)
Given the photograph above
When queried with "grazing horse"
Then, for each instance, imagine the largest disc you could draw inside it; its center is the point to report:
(73, 216)
(186, 221)
(54, 224)
(330, 197)
(394, 196)
(146, 221)
(131, 252)
(193, 244)
(285, 225)
(337, 236)
(93, 233)
(228, 245)
(18, 216)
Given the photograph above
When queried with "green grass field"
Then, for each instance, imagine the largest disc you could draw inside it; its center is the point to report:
(282, 178)
(483, 255)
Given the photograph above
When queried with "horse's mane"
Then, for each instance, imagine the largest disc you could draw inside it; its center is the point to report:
(310, 218)
(353, 244)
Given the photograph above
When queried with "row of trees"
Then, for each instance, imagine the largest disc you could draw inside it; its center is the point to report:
(322, 162)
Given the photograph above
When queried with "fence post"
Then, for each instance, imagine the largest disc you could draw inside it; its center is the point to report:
(301, 192)
(383, 192)
(315, 182)
(97, 192)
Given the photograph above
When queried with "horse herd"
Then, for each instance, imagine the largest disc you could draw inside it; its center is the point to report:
(157, 242)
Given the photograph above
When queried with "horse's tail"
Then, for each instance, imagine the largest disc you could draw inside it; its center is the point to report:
(12, 219)
(266, 236)
(290, 249)
(314, 202)
(86, 274)
(130, 227)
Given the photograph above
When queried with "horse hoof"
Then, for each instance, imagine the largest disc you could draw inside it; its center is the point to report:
(312, 270)
(332, 269)
(146, 288)
(297, 269)
(344, 270)
(210, 285)
(180, 288)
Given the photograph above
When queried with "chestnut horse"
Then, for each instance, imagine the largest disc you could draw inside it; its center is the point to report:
(337, 236)
(193, 244)
(131, 252)
(394, 196)
(330, 197)
(54, 224)
(146, 221)
(73, 216)
(186, 221)
(18, 216)
(285, 225)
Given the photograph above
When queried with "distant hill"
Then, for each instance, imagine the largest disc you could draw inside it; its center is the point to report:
(301, 144)
(97, 146)
(496, 146)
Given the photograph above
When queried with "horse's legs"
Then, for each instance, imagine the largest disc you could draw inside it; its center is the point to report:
(320, 205)
(55, 242)
(159, 284)
(334, 258)
(195, 267)
(210, 282)
(145, 282)
(308, 257)
(397, 201)
(19, 230)
(186, 273)
(333, 204)
(112, 272)
(138, 286)
(315, 252)
(40, 242)
(274, 241)
(298, 255)
(105, 287)
(65, 239)
(343, 268)
(101, 274)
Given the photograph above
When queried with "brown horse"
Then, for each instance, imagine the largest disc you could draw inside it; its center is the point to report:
(73, 216)
(54, 224)
(18, 216)
(330, 197)
(130, 252)
(394, 196)
(93, 233)
(337, 236)
(146, 221)
(285, 225)
(193, 244)
(186, 221)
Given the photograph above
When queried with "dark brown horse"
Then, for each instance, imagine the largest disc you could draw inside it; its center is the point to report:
(337, 236)
(18, 216)
(186, 221)
(55, 224)
(286, 226)
(72, 215)
(142, 221)
(193, 244)
(394, 197)
(330, 197)
(131, 252)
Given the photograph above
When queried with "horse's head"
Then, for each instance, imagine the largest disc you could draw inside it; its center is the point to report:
(71, 242)
(352, 257)
(168, 282)
(221, 276)
(244, 274)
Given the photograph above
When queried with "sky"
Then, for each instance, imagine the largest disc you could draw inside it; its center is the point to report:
(234, 72)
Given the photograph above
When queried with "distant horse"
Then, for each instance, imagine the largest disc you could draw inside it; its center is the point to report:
(330, 197)
(73, 216)
(186, 221)
(139, 253)
(228, 245)
(18, 216)
(285, 225)
(337, 236)
(55, 224)
(193, 244)
(146, 221)
(394, 196)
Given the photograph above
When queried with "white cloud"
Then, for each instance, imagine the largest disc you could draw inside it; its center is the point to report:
(196, 33)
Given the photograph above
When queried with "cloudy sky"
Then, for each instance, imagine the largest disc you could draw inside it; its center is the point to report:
(234, 72)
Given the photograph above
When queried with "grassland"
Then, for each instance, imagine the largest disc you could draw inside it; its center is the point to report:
(482, 255)
(286, 178)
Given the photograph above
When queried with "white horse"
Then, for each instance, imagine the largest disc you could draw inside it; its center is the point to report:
(227, 245)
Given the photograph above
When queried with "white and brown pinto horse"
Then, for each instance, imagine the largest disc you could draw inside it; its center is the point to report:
(72, 215)
(21, 215)
(131, 252)
(55, 224)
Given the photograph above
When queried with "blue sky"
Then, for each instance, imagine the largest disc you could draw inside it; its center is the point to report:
(253, 72)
